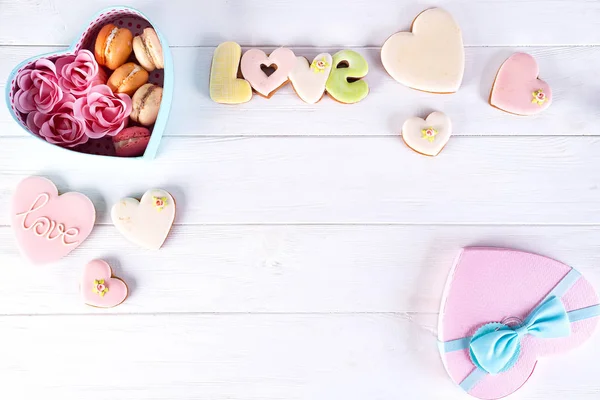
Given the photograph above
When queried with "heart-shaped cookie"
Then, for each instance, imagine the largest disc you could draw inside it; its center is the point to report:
(309, 80)
(225, 86)
(282, 60)
(136, 22)
(147, 222)
(517, 88)
(431, 58)
(48, 226)
(427, 136)
(502, 310)
(99, 288)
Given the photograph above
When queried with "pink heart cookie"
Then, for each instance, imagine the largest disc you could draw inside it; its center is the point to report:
(517, 88)
(99, 288)
(282, 59)
(493, 285)
(48, 226)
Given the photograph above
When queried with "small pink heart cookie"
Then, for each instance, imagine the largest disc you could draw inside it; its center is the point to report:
(503, 310)
(48, 226)
(99, 288)
(282, 59)
(517, 88)
(427, 136)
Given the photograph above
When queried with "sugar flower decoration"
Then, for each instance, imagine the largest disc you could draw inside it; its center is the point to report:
(319, 65)
(429, 134)
(539, 97)
(159, 202)
(99, 287)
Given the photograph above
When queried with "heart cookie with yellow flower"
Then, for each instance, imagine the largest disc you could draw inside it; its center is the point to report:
(99, 288)
(427, 136)
(146, 222)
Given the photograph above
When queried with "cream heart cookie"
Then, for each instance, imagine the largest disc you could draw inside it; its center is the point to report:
(427, 136)
(48, 226)
(282, 60)
(517, 88)
(147, 222)
(431, 58)
(99, 288)
(309, 80)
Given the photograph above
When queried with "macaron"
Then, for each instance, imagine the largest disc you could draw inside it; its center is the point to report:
(127, 78)
(132, 141)
(113, 46)
(146, 104)
(148, 50)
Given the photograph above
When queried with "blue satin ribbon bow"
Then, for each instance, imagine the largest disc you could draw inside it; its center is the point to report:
(497, 350)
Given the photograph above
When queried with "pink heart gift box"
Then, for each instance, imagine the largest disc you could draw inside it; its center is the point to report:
(136, 22)
(518, 308)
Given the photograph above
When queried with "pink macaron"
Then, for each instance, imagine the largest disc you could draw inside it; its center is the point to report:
(132, 141)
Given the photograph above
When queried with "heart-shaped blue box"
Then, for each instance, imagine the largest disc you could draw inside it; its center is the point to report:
(135, 21)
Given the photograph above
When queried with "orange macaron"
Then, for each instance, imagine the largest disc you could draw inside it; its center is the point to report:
(113, 46)
(128, 78)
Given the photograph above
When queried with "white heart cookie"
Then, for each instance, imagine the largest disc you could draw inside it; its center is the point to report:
(309, 80)
(431, 58)
(427, 136)
(146, 222)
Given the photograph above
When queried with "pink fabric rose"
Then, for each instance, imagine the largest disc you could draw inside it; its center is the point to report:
(104, 113)
(38, 88)
(60, 127)
(77, 74)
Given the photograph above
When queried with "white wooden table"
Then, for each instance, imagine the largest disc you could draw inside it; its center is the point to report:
(311, 244)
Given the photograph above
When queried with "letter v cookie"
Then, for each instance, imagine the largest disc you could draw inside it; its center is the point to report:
(225, 86)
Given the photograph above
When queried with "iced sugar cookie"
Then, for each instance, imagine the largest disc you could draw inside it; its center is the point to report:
(427, 136)
(431, 58)
(282, 60)
(146, 222)
(48, 226)
(225, 87)
(309, 80)
(517, 88)
(345, 84)
(99, 288)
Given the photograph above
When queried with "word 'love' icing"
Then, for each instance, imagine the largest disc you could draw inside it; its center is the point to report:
(44, 226)
(339, 75)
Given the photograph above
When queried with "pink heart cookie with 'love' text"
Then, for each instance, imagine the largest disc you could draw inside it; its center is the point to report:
(48, 226)
(99, 288)
(282, 59)
(517, 88)
(492, 290)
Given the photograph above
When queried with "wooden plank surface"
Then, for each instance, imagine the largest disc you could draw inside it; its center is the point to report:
(280, 268)
(311, 245)
(286, 180)
(248, 357)
(312, 22)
